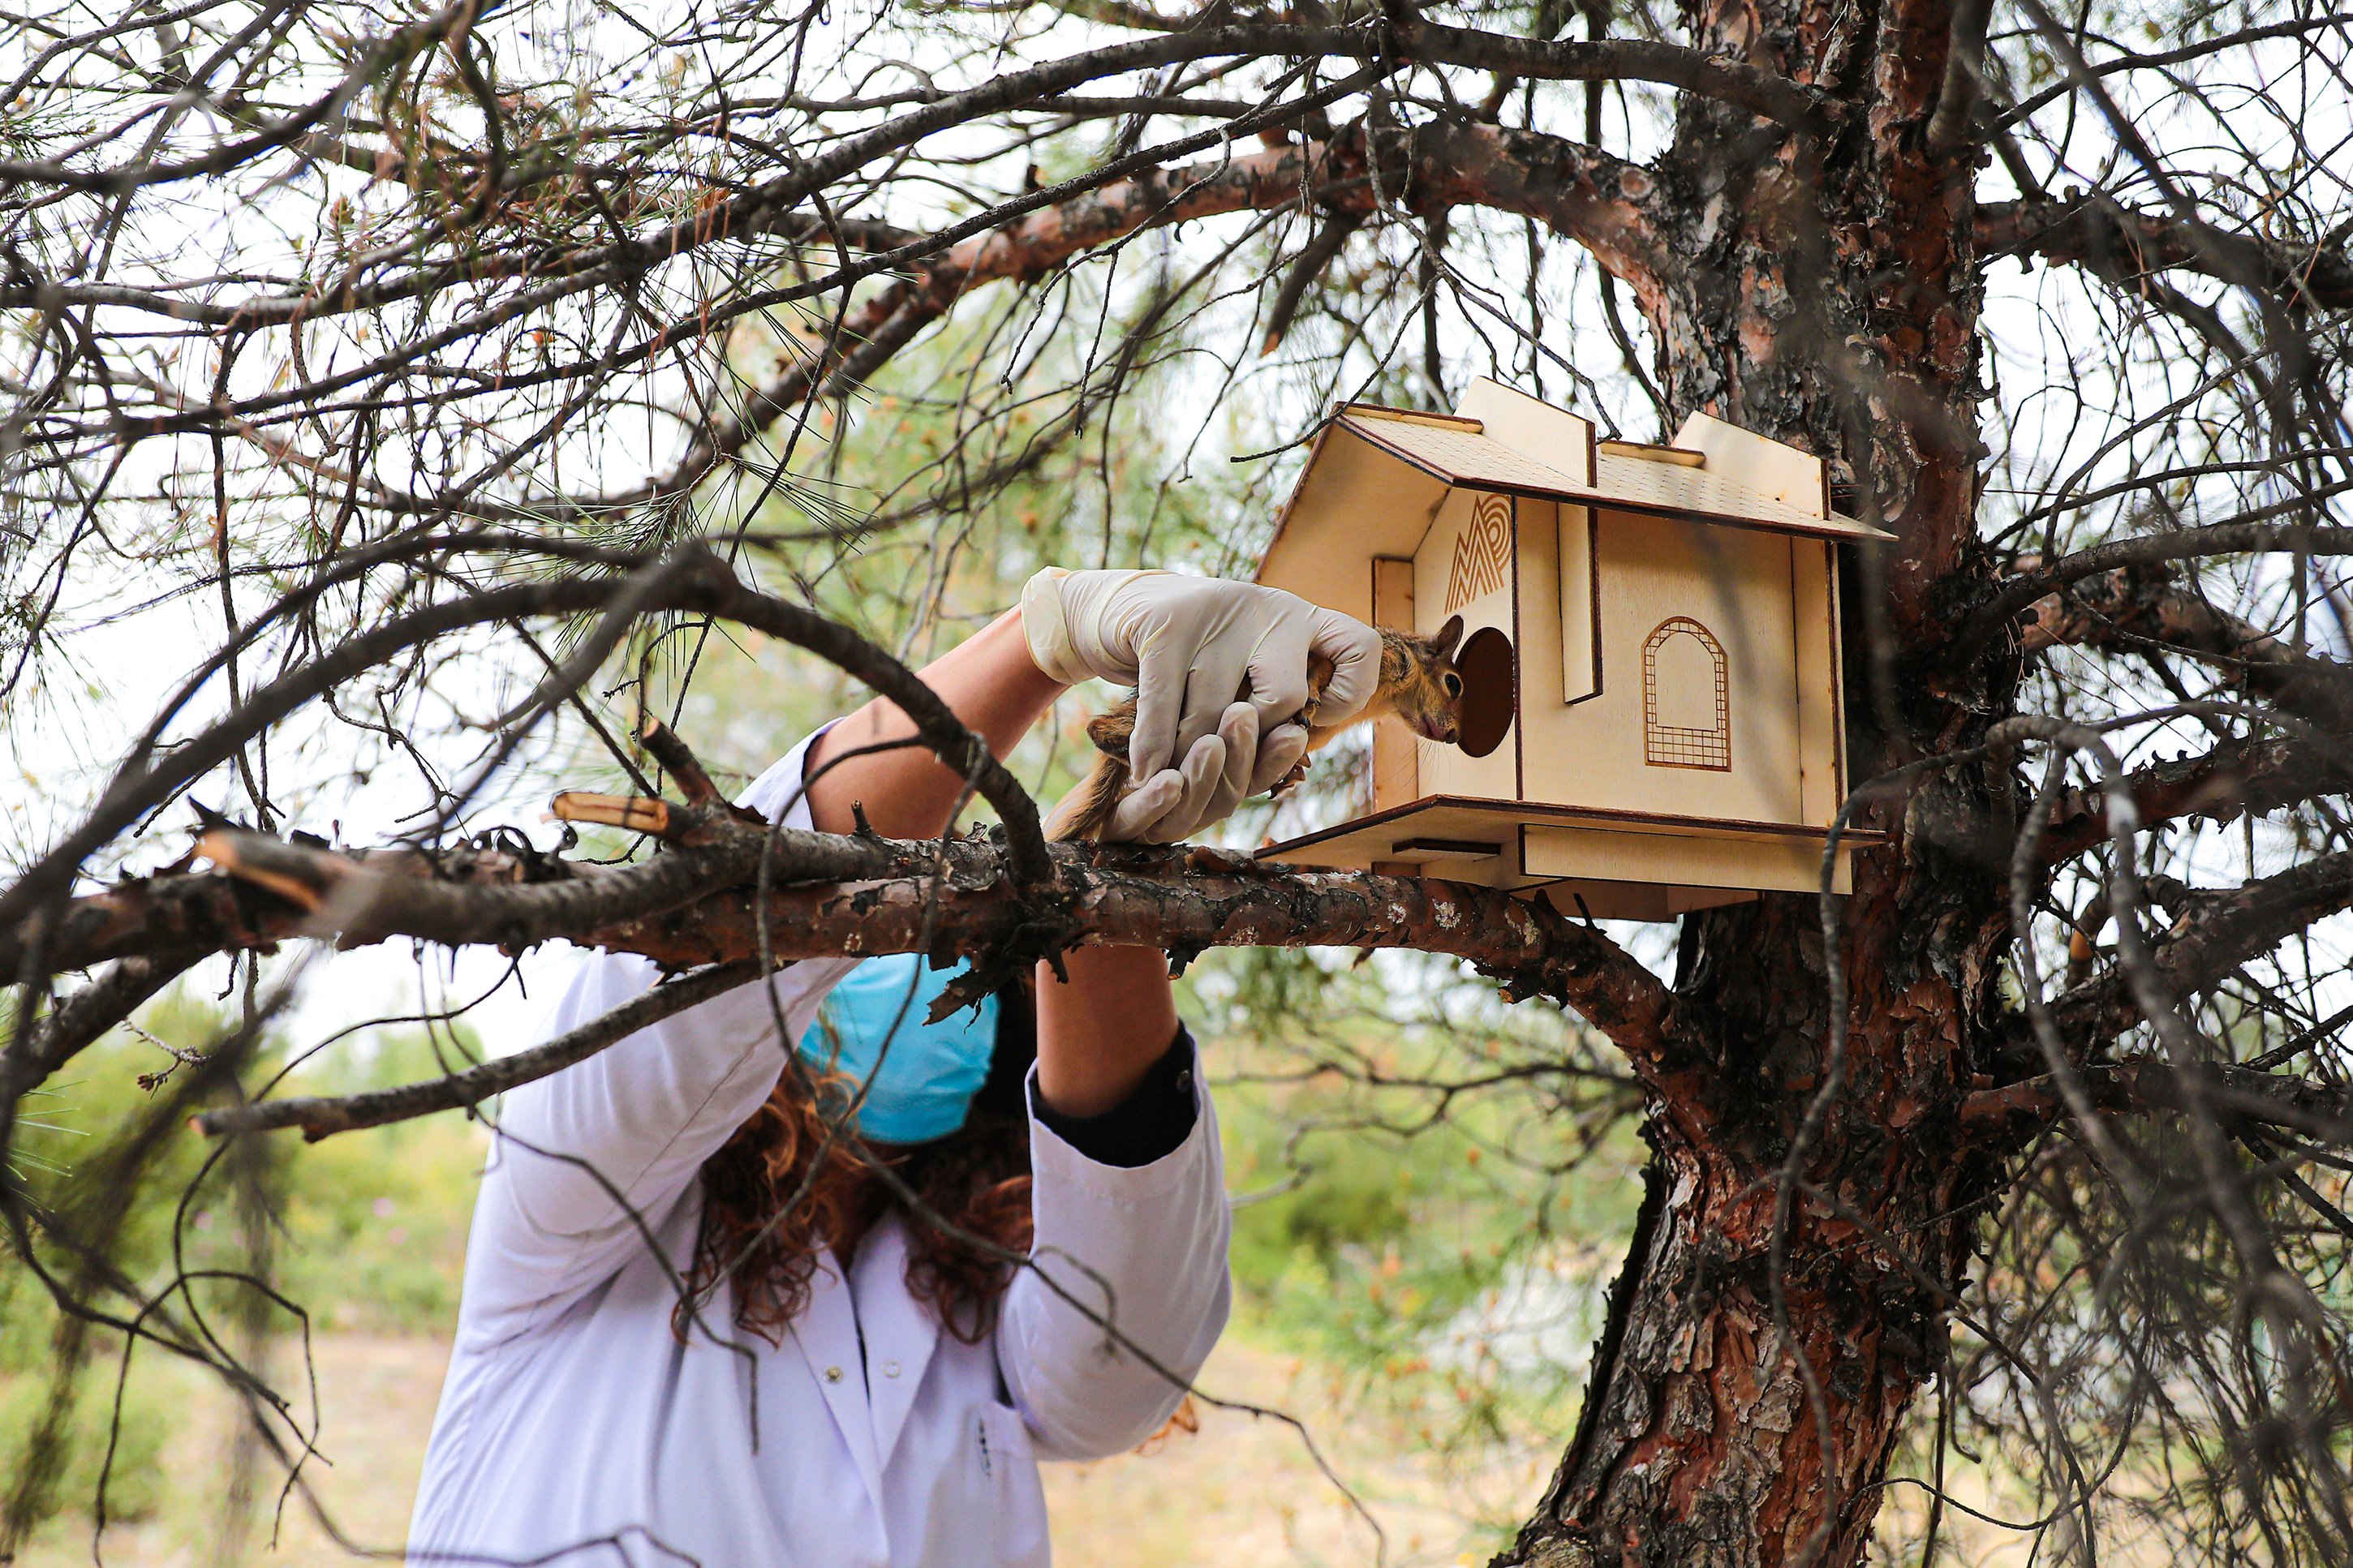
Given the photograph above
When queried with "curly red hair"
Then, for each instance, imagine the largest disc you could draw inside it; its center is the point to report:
(976, 1179)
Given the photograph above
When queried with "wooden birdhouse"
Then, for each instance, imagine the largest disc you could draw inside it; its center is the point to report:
(1651, 651)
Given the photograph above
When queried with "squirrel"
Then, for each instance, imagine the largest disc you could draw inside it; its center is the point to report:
(1419, 684)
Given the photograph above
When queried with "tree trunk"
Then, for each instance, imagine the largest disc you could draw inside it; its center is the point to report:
(1826, 300)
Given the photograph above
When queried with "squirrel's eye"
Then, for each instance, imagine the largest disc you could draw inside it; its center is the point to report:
(1454, 686)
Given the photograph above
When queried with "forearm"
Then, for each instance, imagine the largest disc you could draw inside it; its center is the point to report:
(989, 681)
(1098, 1033)
(1128, 1290)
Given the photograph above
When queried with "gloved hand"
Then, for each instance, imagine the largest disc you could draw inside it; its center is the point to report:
(1216, 777)
(1186, 643)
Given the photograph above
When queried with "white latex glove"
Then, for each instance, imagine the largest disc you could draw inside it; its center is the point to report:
(1177, 803)
(1187, 644)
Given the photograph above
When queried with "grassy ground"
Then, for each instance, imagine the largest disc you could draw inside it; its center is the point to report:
(1397, 1302)
(1351, 1289)
(1241, 1489)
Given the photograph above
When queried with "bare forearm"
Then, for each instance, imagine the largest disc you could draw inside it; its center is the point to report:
(990, 682)
(1098, 1034)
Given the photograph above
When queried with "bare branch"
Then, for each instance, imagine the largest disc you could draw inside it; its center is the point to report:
(2240, 1096)
(2239, 778)
(2124, 246)
(322, 1117)
(1581, 193)
(686, 906)
(2217, 932)
(2144, 611)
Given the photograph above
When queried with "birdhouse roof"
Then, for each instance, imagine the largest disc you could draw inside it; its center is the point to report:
(1671, 481)
(1376, 476)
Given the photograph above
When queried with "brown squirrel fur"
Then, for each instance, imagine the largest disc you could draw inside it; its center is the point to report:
(1419, 684)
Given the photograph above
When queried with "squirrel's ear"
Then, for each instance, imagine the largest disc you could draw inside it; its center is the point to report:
(1448, 634)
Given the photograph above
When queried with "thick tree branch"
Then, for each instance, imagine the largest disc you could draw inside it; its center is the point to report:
(1602, 203)
(1957, 99)
(268, 890)
(1763, 93)
(2216, 932)
(2320, 1111)
(691, 579)
(2239, 778)
(689, 906)
(2252, 535)
(2147, 610)
(2123, 246)
(76, 1020)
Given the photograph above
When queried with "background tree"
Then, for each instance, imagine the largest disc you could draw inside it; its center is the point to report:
(445, 385)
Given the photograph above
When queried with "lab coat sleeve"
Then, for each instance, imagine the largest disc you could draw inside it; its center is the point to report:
(587, 1163)
(1125, 1261)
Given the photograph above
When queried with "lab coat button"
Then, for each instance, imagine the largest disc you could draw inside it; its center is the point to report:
(833, 1375)
(890, 1369)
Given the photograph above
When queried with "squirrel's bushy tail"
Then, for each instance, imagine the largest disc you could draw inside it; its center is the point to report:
(1086, 811)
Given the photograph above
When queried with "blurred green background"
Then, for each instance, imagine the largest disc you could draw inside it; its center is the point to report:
(1414, 1296)
(1433, 1189)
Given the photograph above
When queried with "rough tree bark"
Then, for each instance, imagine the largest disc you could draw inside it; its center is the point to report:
(1808, 269)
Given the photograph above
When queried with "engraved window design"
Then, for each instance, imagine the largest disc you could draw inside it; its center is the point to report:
(1483, 554)
(1686, 698)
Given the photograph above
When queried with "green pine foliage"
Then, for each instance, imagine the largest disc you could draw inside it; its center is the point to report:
(1432, 1195)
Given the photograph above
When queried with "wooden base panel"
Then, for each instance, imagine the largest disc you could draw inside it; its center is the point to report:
(1606, 866)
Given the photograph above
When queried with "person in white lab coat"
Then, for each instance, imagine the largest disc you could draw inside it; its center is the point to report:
(661, 1358)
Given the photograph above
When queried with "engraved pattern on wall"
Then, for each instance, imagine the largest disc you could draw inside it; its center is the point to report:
(1483, 554)
(1686, 698)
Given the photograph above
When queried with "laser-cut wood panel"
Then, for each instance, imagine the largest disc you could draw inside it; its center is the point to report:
(1821, 711)
(1688, 863)
(1648, 572)
(1441, 589)
(1575, 598)
(1663, 619)
(1481, 563)
(1397, 777)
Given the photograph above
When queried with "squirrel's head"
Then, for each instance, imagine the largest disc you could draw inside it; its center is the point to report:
(1426, 687)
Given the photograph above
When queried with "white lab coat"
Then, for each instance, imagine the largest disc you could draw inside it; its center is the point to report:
(576, 1428)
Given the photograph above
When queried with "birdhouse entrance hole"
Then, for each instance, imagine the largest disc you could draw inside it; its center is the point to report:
(1686, 698)
(1490, 689)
